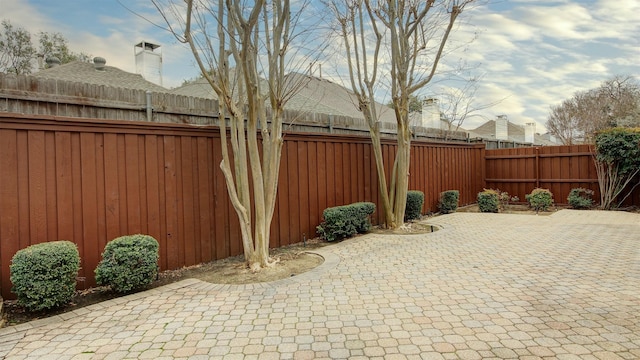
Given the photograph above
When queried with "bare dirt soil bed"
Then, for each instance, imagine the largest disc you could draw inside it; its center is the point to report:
(512, 209)
(410, 228)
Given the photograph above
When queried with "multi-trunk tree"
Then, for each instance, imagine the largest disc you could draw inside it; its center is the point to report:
(403, 42)
(242, 51)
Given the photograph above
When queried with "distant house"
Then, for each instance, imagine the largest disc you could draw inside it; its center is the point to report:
(310, 94)
(97, 73)
(502, 129)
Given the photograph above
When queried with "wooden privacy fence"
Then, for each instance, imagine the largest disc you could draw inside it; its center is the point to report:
(557, 168)
(90, 181)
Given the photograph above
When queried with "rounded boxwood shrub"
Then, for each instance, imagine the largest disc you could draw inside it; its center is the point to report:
(540, 199)
(413, 210)
(448, 201)
(488, 201)
(44, 275)
(344, 221)
(580, 198)
(128, 263)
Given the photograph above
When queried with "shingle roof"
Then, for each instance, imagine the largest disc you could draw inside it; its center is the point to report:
(312, 94)
(319, 95)
(514, 131)
(199, 88)
(84, 72)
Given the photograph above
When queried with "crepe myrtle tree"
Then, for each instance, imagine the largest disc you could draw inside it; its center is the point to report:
(410, 35)
(242, 50)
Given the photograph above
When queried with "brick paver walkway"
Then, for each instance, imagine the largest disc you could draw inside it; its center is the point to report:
(565, 286)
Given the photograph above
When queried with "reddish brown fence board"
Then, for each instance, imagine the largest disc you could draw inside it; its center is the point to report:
(89, 181)
(557, 168)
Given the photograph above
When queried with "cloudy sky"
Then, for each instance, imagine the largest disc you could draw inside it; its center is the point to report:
(531, 53)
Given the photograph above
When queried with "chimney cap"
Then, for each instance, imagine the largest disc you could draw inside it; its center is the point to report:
(147, 45)
(99, 62)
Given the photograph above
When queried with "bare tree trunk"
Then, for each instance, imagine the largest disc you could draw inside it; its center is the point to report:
(407, 30)
(244, 29)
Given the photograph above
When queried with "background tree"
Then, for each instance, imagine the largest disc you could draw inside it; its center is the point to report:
(55, 44)
(615, 103)
(409, 38)
(415, 104)
(19, 56)
(234, 43)
(460, 103)
(16, 50)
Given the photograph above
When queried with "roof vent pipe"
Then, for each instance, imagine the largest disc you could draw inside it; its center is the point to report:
(52, 61)
(99, 63)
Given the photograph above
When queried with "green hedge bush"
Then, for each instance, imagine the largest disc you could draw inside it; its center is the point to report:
(345, 221)
(617, 164)
(128, 263)
(488, 201)
(415, 201)
(448, 201)
(44, 275)
(580, 198)
(540, 199)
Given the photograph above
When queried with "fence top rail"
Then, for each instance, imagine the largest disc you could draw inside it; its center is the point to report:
(61, 123)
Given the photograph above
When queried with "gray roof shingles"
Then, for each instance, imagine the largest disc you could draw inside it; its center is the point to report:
(84, 72)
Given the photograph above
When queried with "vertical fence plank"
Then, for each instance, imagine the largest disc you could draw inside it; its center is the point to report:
(133, 184)
(64, 185)
(36, 187)
(293, 185)
(50, 190)
(322, 178)
(111, 188)
(101, 239)
(171, 203)
(187, 196)
(89, 202)
(9, 204)
(221, 215)
(152, 176)
(303, 191)
(313, 215)
(77, 193)
(283, 198)
(203, 194)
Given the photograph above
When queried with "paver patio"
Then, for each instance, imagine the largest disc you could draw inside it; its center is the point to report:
(565, 286)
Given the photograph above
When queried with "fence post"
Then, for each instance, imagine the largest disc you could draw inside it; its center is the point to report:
(149, 107)
(537, 167)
